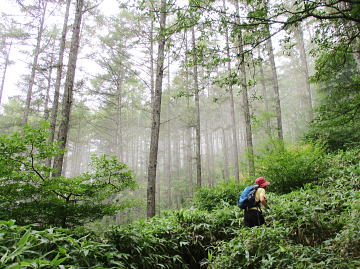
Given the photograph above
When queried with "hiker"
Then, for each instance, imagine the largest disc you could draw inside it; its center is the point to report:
(251, 199)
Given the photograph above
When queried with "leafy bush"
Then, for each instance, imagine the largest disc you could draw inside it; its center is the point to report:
(180, 239)
(311, 215)
(30, 194)
(311, 228)
(270, 248)
(289, 168)
(210, 198)
(23, 247)
(337, 119)
(343, 165)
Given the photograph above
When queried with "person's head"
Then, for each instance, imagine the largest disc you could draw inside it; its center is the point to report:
(262, 182)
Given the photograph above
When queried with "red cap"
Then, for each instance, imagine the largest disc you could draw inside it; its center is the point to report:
(262, 182)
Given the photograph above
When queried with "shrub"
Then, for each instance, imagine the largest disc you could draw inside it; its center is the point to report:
(31, 195)
(153, 244)
(180, 239)
(310, 214)
(210, 198)
(289, 168)
(309, 228)
(249, 248)
(344, 169)
(23, 247)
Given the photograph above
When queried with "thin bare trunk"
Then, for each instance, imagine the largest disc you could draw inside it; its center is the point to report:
(69, 86)
(118, 119)
(275, 85)
(232, 108)
(304, 65)
(188, 127)
(77, 148)
(59, 68)
(34, 67)
(225, 153)
(212, 156)
(4, 72)
(265, 99)
(156, 110)
(169, 159)
(152, 60)
(197, 107)
(47, 97)
(245, 99)
(207, 155)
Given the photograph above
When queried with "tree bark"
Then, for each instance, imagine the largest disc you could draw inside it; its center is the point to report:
(69, 86)
(303, 60)
(265, 99)
(47, 97)
(4, 72)
(245, 99)
(118, 118)
(275, 86)
(59, 68)
(274, 81)
(226, 158)
(152, 61)
(188, 127)
(169, 159)
(156, 110)
(34, 67)
(197, 106)
(232, 108)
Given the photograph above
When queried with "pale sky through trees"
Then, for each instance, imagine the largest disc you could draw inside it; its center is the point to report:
(85, 66)
(19, 67)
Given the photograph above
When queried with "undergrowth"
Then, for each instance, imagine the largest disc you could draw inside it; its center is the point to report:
(314, 226)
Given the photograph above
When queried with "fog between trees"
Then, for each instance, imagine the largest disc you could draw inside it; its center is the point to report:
(220, 79)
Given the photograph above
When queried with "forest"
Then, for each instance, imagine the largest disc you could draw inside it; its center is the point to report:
(129, 129)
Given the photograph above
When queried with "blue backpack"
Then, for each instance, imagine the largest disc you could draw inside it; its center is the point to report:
(247, 197)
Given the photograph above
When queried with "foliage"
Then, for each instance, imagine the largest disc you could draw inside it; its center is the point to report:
(180, 239)
(314, 227)
(23, 247)
(337, 122)
(290, 167)
(345, 165)
(30, 195)
(211, 198)
(307, 228)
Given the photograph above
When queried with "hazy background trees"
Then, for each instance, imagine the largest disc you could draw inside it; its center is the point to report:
(184, 104)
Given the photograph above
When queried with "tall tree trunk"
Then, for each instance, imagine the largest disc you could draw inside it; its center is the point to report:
(169, 159)
(152, 61)
(188, 127)
(77, 149)
(275, 83)
(232, 108)
(4, 72)
(197, 106)
(208, 154)
(226, 158)
(47, 97)
(265, 99)
(69, 86)
(59, 68)
(245, 100)
(34, 67)
(156, 110)
(304, 65)
(118, 119)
